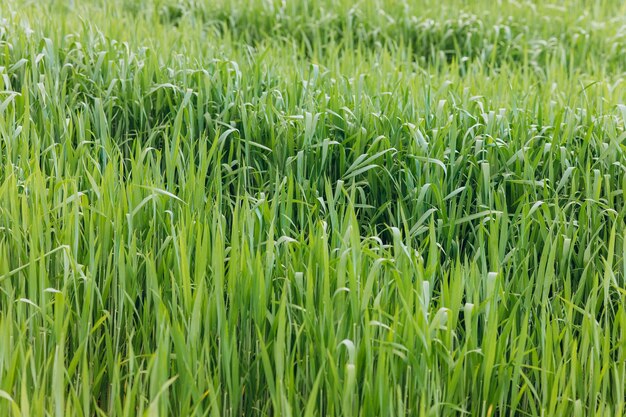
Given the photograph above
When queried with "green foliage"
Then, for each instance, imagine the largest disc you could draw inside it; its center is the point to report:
(270, 208)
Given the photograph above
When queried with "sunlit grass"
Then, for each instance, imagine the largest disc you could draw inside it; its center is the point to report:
(265, 208)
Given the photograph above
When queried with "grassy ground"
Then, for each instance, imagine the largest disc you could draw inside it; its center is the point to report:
(312, 208)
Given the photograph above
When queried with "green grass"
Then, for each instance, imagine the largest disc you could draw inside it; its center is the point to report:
(312, 208)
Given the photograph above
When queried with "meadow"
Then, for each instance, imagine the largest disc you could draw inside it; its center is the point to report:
(312, 208)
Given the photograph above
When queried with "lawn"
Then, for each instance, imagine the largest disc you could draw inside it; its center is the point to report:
(312, 208)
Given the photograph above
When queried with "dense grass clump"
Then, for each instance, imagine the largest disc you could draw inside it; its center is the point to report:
(312, 208)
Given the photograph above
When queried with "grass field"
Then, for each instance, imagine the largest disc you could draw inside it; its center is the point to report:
(312, 208)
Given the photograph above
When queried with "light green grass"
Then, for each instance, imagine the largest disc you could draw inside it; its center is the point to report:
(312, 208)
